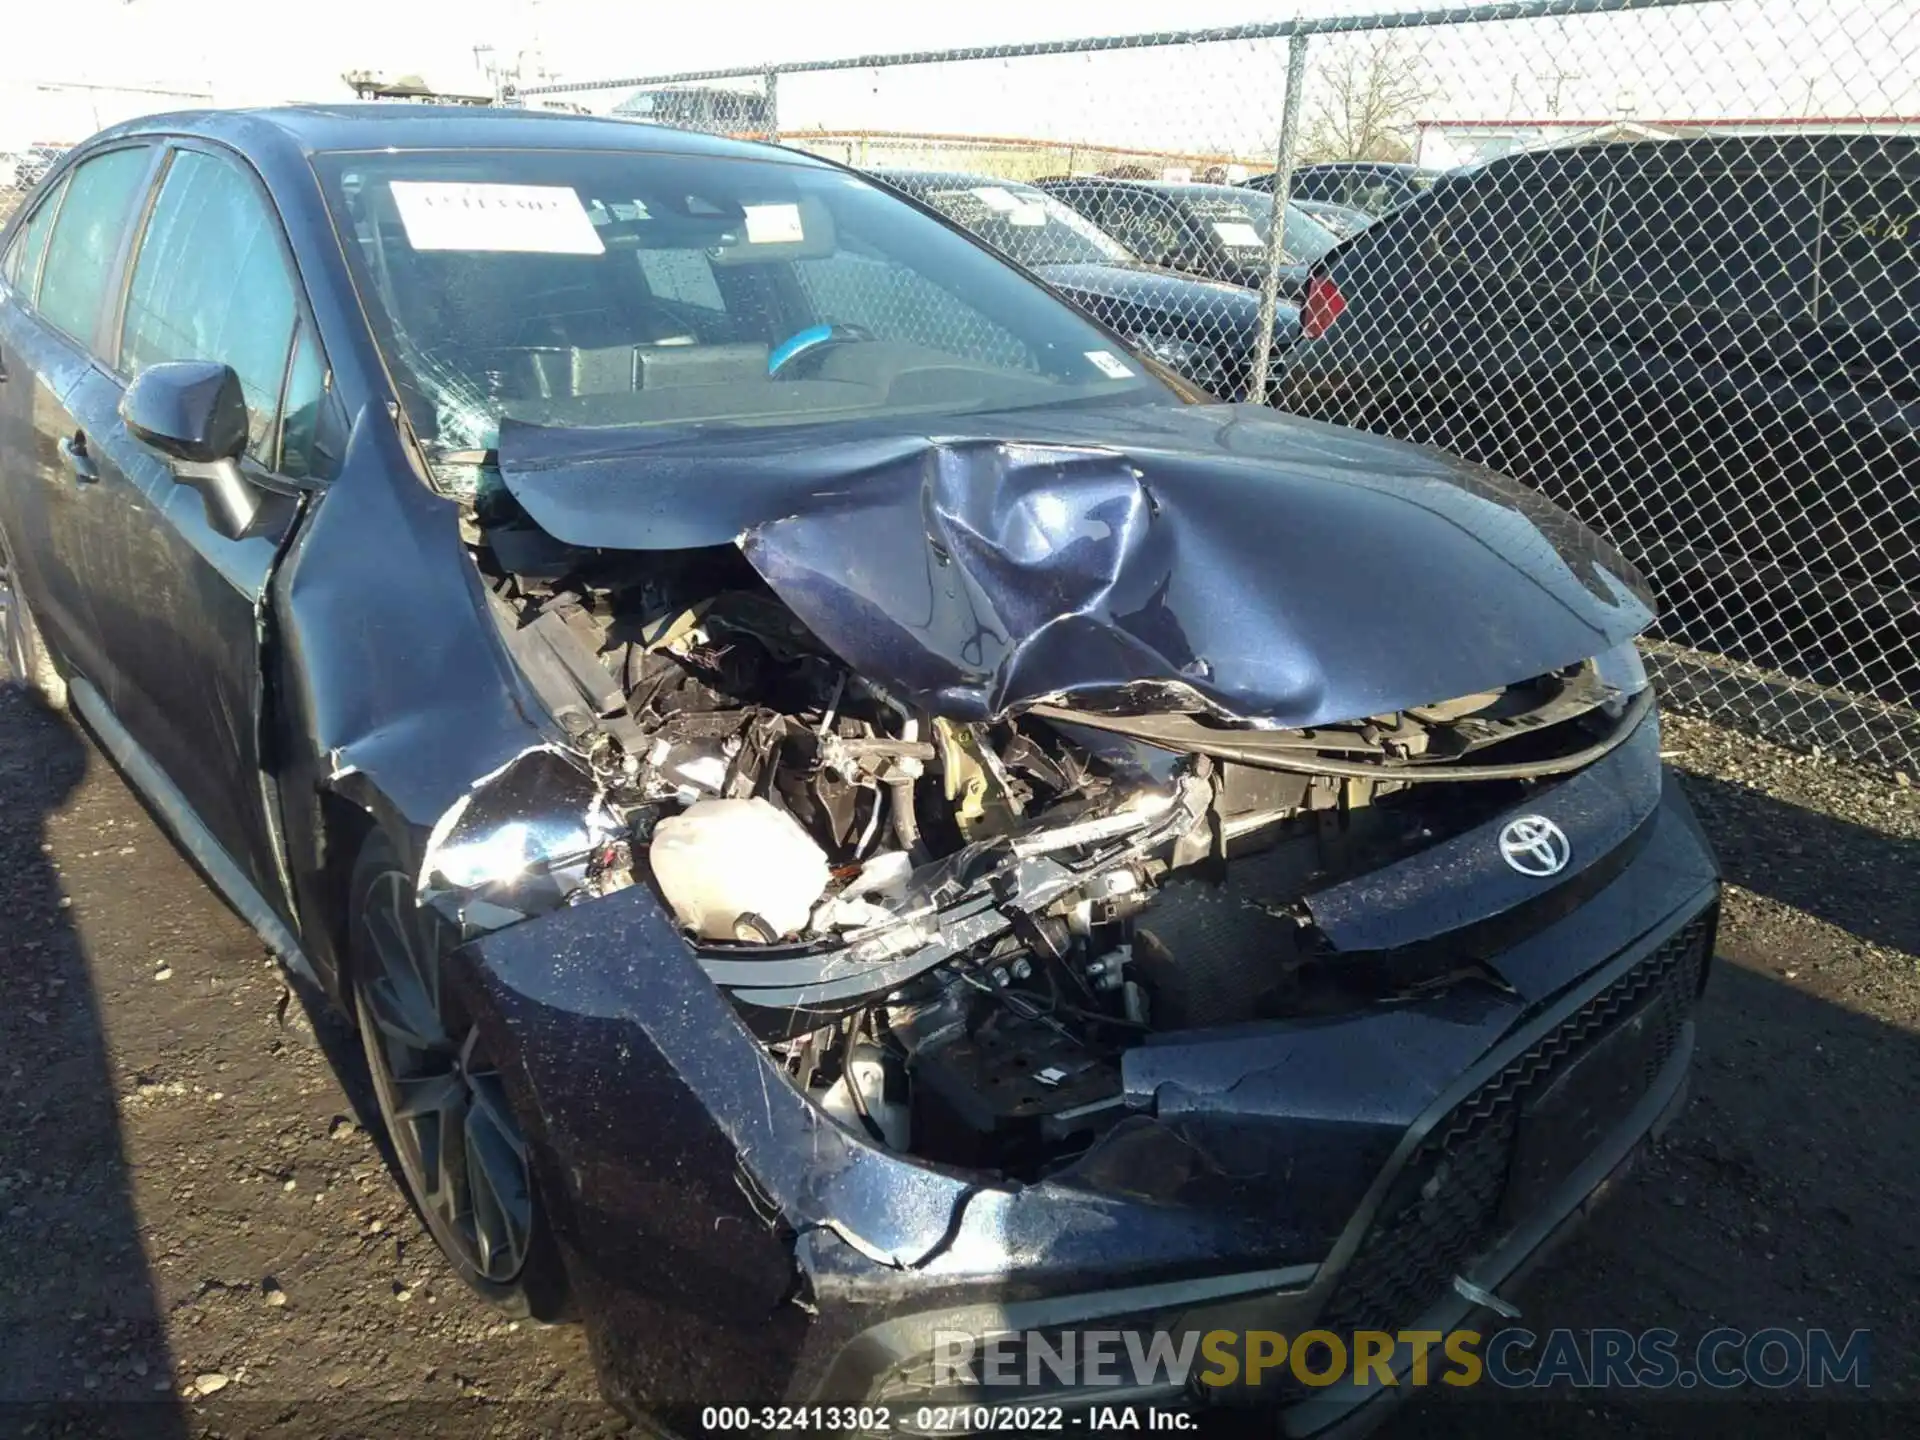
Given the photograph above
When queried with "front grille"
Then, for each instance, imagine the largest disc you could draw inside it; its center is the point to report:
(1444, 1211)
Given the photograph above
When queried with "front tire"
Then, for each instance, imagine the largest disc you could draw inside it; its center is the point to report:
(28, 660)
(460, 1149)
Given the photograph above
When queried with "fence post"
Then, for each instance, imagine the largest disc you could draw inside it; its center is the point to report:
(773, 105)
(1276, 241)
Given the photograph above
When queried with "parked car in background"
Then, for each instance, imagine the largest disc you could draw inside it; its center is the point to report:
(1705, 348)
(1219, 232)
(1203, 329)
(843, 810)
(1342, 220)
(1372, 187)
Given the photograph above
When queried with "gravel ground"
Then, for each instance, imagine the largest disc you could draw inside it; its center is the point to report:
(195, 1217)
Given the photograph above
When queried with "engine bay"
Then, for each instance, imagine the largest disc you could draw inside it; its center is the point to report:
(947, 932)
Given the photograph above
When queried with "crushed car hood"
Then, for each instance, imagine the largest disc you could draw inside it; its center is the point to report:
(1140, 557)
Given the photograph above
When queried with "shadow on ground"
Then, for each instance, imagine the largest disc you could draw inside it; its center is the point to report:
(86, 1344)
(1862, 880)
(1781, 1198)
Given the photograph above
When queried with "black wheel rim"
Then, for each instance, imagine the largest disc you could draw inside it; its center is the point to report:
(443, 1101)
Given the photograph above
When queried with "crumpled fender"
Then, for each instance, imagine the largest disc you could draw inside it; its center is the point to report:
(378, 568)
(620, 985)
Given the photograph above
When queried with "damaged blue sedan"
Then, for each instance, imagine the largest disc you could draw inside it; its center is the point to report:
(848, 807)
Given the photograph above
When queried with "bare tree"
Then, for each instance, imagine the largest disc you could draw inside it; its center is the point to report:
(1366, 101)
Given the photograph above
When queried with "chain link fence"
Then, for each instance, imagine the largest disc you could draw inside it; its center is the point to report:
(1658, 258)
(40, 120)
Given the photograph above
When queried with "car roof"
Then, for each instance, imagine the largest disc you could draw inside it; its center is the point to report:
(1179, 189)
(1389, 167)
(379, 126)
(1817, 151)
(956, 178)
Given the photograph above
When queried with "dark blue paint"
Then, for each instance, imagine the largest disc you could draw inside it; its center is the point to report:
(1284, 571)
(1249, 1148)
(1463, 880)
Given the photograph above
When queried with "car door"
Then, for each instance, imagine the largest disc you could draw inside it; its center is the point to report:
(53, 506)
(211, 279)
(28, 460)
(1705, 273)
(1863, 351)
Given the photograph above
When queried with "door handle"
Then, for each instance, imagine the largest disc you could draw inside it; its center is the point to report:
(73, 450)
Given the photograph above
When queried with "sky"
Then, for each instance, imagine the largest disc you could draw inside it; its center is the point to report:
(1722, 57)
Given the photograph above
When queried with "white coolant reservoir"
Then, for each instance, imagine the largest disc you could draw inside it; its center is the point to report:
(737, 869)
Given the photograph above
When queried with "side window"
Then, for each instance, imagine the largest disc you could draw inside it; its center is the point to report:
(1371, 193)
(30, 245)
(1082, 201)
(86, 237)
(306, 390)
(683, 277)
(1562, 236)
(1515, 225)
(212, 283)
(1692, 230)
(1308, 185)
(1145, 225)
(1478, 223)
(1870, 266)
(1102, 207)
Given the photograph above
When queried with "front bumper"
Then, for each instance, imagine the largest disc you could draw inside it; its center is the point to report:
(729, 1245)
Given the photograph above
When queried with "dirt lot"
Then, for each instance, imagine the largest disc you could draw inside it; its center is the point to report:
(193, 1217)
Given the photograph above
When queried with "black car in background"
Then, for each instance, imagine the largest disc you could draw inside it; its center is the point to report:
(1372, 187)
(1705, 348)
(843, 809)
(1342, 220)
(1202, 329)
(1219, 232)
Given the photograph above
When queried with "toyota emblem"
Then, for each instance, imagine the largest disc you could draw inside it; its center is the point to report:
(1534, 845)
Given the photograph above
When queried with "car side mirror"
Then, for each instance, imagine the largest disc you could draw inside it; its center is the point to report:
(194, 414)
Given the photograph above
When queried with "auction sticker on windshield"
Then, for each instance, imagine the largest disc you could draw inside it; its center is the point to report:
(448, 215)
(1110, 364)
(774, 225)
(1237, 233)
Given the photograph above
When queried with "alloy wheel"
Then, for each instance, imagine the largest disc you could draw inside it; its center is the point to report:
(444, 1103)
